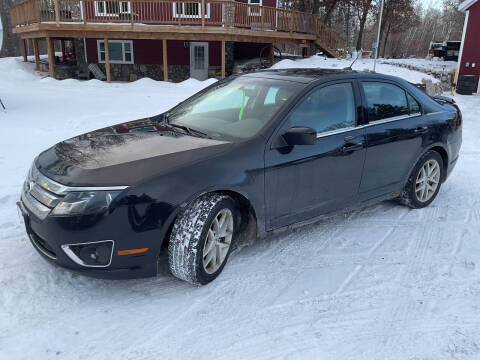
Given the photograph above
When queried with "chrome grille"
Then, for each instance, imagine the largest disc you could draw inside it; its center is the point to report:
(40, 194)
(45, 197)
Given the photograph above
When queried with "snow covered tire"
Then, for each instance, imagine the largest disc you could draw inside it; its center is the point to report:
(409, 196)
(188, 239)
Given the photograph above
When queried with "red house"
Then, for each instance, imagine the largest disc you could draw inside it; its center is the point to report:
(469, 60)
(163, 39)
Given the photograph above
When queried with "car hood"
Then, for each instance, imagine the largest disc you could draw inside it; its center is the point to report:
(125, 154)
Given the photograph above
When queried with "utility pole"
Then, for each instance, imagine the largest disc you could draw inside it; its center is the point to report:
(378, 36)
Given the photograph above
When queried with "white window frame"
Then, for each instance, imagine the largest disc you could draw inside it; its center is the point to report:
(105, 13)
(123, 52)
(255, 12)
(183, 16)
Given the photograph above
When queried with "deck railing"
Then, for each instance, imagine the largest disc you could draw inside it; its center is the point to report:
(225, 13)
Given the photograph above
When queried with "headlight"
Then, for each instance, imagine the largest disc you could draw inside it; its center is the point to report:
(84, 203)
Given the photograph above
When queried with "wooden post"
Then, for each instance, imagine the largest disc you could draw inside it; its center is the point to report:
(291, 22)
(24, 50)
(308, 48)
(263, 18)
(36, 53)
(57, 13)
(179, 14)
(131, 13)
(203, 13)
(165, 62)
(63, 49)
(51, 57)
(84, 11)
(107, 60)
(272, 54)
(223, 59)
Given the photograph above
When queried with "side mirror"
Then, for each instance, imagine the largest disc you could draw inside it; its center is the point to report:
(300, 136)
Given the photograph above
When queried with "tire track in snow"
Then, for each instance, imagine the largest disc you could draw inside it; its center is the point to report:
(405, 305)
(359, 268)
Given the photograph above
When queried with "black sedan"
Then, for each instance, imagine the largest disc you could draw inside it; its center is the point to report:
(243, 157)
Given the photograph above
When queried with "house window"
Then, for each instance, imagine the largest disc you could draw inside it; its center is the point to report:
(111, 8)
(254, 11)
(190, 10)
(120, 51)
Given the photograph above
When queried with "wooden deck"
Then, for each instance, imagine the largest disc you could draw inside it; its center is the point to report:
(168, 19)
(203, 20)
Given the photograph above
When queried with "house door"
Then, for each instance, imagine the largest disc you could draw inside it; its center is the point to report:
(199, 60)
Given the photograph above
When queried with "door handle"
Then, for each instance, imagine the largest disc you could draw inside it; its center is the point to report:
(421, 129)
(351, 147)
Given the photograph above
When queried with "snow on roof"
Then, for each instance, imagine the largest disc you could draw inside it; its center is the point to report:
(464, 6)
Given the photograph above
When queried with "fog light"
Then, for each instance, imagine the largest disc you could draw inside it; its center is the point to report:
(92, 254)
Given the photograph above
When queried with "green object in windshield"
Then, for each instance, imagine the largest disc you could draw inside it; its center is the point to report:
(242, 107)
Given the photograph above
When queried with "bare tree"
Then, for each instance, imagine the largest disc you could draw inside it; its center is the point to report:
(11, 42)
(364, 7)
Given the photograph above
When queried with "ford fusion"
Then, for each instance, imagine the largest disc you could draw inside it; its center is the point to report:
(247, 155)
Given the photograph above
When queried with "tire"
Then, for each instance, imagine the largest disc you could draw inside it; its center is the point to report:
(412, 194)
(464, 92)
(197, 230)
(468, 79)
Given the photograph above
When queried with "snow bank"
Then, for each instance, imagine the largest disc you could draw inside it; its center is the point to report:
(360, 65)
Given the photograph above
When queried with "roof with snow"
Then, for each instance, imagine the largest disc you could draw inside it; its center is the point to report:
(464, 6)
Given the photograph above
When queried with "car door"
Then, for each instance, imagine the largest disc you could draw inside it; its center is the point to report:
(302, 182)
(394, 137)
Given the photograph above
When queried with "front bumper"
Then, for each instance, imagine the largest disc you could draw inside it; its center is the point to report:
(48, 235)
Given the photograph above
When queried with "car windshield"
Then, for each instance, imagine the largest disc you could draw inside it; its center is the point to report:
(237, 108)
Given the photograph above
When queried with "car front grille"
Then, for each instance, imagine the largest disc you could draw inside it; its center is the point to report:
(40, 194)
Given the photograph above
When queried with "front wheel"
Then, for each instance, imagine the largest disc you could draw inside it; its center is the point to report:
(202, 237)
(424, 182)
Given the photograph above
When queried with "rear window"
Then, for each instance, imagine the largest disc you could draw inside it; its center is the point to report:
(385, 100)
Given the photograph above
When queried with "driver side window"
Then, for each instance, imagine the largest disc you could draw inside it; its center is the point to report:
(326, 109)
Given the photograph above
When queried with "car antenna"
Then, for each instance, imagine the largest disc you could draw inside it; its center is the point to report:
(354, 61)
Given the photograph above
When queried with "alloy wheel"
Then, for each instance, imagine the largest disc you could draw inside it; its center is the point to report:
(218, 241)
(428, 180)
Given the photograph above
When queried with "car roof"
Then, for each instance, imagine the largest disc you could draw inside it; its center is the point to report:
(306, 76)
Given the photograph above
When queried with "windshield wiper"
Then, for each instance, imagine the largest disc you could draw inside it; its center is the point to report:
(189, 130)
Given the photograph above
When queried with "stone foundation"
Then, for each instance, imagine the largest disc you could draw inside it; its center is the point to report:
(132, 72)
(62, 71)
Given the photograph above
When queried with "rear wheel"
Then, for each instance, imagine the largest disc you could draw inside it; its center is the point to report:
(202, 238)
(424, 182)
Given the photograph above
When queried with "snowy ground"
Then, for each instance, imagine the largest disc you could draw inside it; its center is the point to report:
(385, 282)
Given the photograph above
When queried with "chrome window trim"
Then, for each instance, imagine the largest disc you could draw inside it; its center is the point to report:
(66, 249)
(338, 131)
(392, 119)
(60, 189)
(376, 122)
